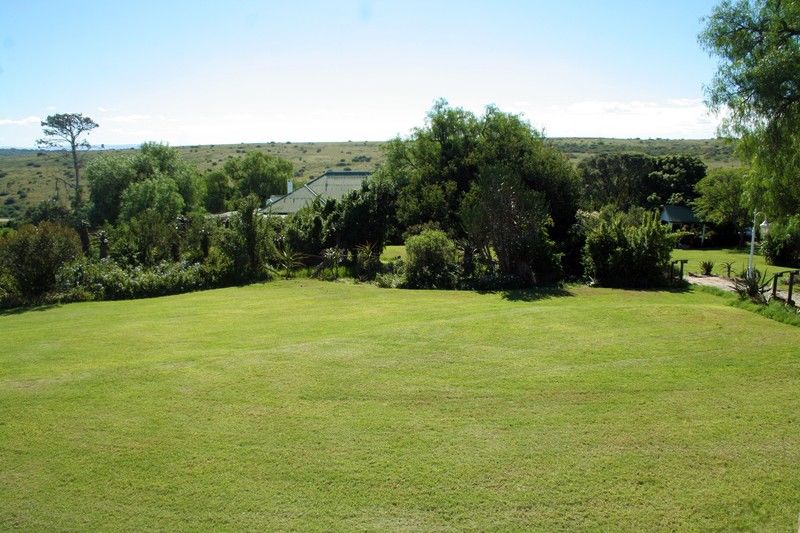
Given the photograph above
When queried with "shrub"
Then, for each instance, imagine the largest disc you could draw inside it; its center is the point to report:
(706, 267)
(33, 254)
(431, 261)
(782, 245)
(752, 285)
(368, 262)
(619, 253)
(107, 280)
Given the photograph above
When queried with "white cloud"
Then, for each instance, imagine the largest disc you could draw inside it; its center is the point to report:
(674, 118)
(126, 119)
(20, 121)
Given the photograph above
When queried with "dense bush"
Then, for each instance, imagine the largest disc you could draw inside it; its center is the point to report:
(249, 240)
(106, 280)
(782, 244)
(619, 253)
(32, 255)
(432, 261)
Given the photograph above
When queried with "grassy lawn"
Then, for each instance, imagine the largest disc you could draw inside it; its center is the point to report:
(392, 252)
(721, 255)
(329, 406)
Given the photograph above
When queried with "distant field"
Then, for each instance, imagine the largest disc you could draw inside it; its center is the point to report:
(27, 176)
(312, 406)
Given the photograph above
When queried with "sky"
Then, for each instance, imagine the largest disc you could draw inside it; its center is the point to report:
(203, 72)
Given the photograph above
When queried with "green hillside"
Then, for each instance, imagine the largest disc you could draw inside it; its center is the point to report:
(27, 177)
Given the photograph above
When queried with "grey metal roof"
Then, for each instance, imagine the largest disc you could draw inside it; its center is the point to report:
(678, 214)
(332, 184)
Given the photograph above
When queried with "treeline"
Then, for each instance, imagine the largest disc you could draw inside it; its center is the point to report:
(480, 202)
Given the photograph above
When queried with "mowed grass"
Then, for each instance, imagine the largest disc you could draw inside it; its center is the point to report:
(332, 406)
(722, 255)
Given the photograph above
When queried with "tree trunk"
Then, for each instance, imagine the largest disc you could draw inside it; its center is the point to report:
(77, 176)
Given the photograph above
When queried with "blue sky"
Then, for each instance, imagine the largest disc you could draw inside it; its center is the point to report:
(204, 72)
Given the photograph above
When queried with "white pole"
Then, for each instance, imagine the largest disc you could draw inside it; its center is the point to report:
(752, 244)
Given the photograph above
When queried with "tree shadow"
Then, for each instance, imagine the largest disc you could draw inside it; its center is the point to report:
(533, 294)
(27, 309)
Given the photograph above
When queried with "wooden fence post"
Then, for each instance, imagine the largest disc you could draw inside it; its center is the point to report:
(792, 274)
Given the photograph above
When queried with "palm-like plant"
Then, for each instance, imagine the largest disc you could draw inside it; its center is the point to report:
(288, 261)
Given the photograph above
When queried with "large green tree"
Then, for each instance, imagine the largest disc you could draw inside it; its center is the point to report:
(492, 182)
(108, 177)
(757, 86)
(627, 180)
(721, 199)
(260, 174)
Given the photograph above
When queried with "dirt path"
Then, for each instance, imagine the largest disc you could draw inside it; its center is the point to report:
(711, 281)
(726, 284)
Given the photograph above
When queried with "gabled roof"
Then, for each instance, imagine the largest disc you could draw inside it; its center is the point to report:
(678, 214)
(333, 184)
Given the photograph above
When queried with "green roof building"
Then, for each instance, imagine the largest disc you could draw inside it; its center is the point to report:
(331, 185)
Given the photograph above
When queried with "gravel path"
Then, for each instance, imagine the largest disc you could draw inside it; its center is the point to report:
(726, 284)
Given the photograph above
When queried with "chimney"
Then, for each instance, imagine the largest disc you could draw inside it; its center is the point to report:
(289, 186)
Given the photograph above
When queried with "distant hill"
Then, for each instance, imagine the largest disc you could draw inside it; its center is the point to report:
(27, 176)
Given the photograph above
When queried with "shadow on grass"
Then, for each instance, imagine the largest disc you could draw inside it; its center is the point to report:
(532, 294)
(27, 309)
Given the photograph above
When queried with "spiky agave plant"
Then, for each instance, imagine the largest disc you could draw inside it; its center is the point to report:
(752, 284)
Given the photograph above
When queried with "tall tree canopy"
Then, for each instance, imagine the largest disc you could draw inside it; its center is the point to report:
(66, 130)
(260, 174)
(629, 180)
(721, 199)
(491, 180)
(758, 85)
(111, 176)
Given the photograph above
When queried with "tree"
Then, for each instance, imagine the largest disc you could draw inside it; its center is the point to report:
(629, 180)
(260, 174)
(441, 163)
(108, 177)
(721, 199)
(150, 209)
(33, 255)
(219, 191)
(503, 215)
(161, 160)
(159, 194)
(65, 130)
(758, 83)
(615, 179)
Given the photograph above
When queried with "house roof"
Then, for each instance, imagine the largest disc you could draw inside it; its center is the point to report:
(678, 214)
(333, 184)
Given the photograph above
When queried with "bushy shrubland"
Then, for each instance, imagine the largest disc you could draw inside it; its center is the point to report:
(622, 253)
(106, 280)
(782, 245)
(432, 261)
(31, 256)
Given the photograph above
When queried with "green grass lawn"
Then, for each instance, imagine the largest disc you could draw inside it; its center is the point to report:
(392, 252)
(331, 406)
(721, 255)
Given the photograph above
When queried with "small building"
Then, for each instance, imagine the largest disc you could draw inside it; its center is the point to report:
(679, 215)
(333, 184)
